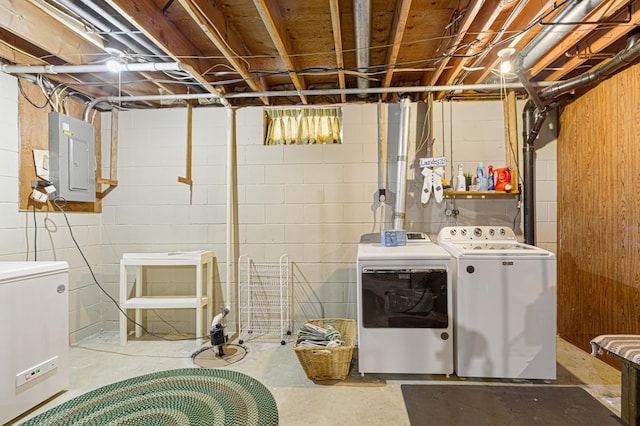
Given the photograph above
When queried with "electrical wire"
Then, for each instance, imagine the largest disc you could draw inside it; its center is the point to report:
(60, 204)
(206, 348)
(29, 100)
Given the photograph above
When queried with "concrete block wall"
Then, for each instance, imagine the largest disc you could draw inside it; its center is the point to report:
(311, 202)
(150, 211)
(54, 242)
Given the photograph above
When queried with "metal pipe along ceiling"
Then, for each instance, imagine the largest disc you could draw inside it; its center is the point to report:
(99, 23)
(403, 148)
(362, 33)
(627, 56)
(550, 35)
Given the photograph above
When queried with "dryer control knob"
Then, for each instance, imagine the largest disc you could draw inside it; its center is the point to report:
(444, 336)
(471, 269)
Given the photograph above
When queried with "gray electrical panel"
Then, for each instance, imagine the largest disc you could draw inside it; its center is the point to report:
(72, 164)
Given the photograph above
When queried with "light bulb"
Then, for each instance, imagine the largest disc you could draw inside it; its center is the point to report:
(505, 67)
(113, 65)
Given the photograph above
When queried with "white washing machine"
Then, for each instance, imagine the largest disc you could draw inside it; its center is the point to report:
(404, 307)
(504, 296)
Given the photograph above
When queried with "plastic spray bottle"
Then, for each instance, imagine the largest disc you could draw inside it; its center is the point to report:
(461, 182)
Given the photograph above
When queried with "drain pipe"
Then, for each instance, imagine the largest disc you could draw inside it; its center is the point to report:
(403, 145)
(532, 121)
(362, 10)
(231, 142)
(625, 57)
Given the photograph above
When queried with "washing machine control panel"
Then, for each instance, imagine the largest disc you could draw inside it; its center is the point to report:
(466, 233)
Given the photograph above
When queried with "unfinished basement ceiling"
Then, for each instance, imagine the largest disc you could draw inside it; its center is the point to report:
(240, 47)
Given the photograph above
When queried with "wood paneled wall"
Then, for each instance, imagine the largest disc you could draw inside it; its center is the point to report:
(599, 212)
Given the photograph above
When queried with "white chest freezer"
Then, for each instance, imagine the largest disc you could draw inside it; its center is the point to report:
(34, 333)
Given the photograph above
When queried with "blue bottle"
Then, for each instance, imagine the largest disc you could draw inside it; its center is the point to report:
(481, 175)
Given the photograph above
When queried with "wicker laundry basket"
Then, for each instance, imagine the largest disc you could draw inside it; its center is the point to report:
(328, 363)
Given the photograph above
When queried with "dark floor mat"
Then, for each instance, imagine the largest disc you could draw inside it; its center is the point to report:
(504, 405)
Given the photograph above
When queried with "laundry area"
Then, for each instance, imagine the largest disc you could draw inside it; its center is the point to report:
(224, 213)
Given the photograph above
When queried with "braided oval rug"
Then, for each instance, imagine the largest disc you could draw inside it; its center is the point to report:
(188, 396)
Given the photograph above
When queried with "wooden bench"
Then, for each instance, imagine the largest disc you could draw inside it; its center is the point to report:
(627, 348)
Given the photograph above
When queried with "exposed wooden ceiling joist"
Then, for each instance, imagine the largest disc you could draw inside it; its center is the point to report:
(164, 33)
(27, 20)
(600, 13)
(470, 13)
(277, 45)
(224, 37)
(607, 39)
(482, 38)
(395, 39)
(271, 15)
(518, 38)
(337, 42)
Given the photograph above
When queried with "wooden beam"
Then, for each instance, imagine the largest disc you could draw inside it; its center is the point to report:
(187, 179)
(597, 46)
(337, 42)
(271, 15)
(61, 39)
(483, 34)
(150, 20)
(112, 181)
(529, 14)
(38, 28)
(511, 136)
(397, 32)
(469, 16)
(576, 35)
(213, 24)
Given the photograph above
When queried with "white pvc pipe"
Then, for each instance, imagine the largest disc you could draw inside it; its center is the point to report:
(319, 92)
(231, 141)
(79, 69)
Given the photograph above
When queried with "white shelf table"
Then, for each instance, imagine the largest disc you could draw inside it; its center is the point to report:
(202, 298)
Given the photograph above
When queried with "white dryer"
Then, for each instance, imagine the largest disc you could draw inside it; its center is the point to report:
(504, 296)
(404, 307)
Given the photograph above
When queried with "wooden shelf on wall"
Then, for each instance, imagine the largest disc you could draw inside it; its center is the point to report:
(479, 194)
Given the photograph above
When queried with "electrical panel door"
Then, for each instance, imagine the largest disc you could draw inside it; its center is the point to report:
(72, 158)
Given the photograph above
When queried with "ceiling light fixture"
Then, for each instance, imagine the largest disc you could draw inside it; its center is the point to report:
(114, 65)
(505, 59)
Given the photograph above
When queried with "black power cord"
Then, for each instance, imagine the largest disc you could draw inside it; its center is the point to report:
(60, 204)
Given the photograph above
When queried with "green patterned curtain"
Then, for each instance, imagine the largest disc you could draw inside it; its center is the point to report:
(303, 126)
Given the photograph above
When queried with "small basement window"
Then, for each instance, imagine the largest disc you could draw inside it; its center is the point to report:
(303, 126)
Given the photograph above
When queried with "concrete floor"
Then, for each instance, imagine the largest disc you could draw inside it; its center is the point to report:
(372, 399)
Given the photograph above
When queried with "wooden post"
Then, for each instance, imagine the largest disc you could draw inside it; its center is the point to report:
(113, 161)
(630, 394)
(187, 179)
(511, 136)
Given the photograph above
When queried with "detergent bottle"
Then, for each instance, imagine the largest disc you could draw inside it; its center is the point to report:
(503, 179)
(491, 179)
(481, 175)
